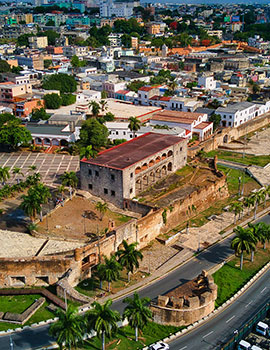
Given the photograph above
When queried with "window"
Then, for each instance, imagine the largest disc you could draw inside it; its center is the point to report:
(230, 124)
(230, 116)
(124, 133)
(131, 175)
(113, 193)
(105, 191)
(89, 172)
(181, 149)
(90, 186)
(112, 177)
(131, 190)
(116, 132)
(97, 173)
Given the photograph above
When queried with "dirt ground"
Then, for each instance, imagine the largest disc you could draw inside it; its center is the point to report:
(78, 219)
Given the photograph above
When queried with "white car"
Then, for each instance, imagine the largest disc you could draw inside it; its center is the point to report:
(159, 346)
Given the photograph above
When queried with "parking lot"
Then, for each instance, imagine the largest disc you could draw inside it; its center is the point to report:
(50, 166)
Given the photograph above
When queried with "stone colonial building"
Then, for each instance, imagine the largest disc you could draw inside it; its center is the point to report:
(124, 171)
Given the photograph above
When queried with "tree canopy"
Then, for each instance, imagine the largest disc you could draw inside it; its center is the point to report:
(52, 101)
(13, 134)
(62, 82)
(4, 66)
(40, 114)
(93, 133)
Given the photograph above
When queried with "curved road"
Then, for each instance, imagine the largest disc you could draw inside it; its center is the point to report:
(34, 338)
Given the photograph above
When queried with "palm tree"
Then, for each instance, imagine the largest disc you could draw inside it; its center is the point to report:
(248, 203)
(102, 208)
(16, 171)
(4, 174)
(61, 190)
(255, 237)
(103, 104)
(69, 179)
(31, 205)
(34, 179)
(103, 320)
(88, 152)
(261, 231)
(69, 329)
(173, 85)
(129, 256)
(134, 125)
(109, 272)
(95, 108)
(32, 168)
(236, 208)
(242, 242)
(137, 312)
(43, 194)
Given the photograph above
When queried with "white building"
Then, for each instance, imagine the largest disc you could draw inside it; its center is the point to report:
(239, 113)
(109, 8)
(79, 51)
(86, 96)
(207, 82)
(120, 130)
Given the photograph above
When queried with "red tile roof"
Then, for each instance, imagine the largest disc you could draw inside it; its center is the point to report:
(146, 88)
(133, 151)
(202, 125)
(122, 92)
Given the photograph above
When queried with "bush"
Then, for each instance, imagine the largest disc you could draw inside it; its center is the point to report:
(68, 99)
(62, 82)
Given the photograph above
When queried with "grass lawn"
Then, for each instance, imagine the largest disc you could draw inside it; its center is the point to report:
(233, 180)
(90, 286)
(238, 157)
(230, 278)
(124, 340)
(18, 304)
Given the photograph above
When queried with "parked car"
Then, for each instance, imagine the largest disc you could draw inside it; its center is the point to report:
(262, 328)
(159, 346)
(244, 345)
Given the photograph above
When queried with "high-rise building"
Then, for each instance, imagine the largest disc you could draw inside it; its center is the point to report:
(110, 8)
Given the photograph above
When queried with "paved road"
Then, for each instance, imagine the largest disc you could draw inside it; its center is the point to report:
(219, 329)
(32, 339)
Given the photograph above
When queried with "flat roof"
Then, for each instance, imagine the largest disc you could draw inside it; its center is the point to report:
(47, 129)
(133, 151)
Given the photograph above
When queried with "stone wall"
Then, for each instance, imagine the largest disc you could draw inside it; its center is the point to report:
(230, 134)
(185, 310)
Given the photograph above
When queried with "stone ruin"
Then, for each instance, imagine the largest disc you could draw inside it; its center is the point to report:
(188, 303)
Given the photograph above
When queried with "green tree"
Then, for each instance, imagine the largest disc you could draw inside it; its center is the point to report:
(22, 40)
(62, 82)
(4, 174)
(4, 66)
(87, 152)
(51, 35)
(70, 180)
(126, 40)
(50, 23)
(42, 192)
(68, 99)
(17, 171)
(103, 320)
(40, 114)
(102, 208)
(52, 101)
(61, 190)
(68, 329)
(31, 205)
(109, 117)
(216, 119)
(95, 108)
(134, 125)
(4, 117)
(47, 63)
(110, 270)
(129, 257)
(75, 61)
(137, 312)
(13, 134)
(93, 133)
(135, 85)
(248, 203)
(103, 104)
(104, 94)
(237, 209)
(242, 242)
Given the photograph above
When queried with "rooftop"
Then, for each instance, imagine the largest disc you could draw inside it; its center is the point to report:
(133, 151)
(177, 117)
(46, 129)
(233, 108)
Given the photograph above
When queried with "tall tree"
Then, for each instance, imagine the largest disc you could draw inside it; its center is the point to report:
(237, 209)
(103, 320)
(31, 205)
(93, 133)
(17, 171)
(137, 312)
(134, 125)
(70, 180)
(103, 104)
(42, 192)
(13, 134)
(88, 152)
(110, 270)
(69, 329)
(102, 208)
(129, 257)
(95, 108)
(242, 242)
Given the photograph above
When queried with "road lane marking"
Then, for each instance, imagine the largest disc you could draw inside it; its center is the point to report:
(263, 289)
(206, 335)
(230, 319)
(183, 348)
(248, 304)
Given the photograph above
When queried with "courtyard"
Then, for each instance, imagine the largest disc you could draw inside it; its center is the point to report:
(50, 166)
